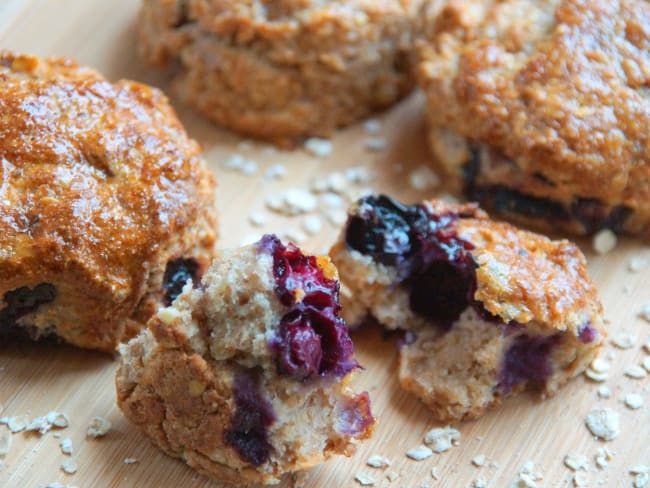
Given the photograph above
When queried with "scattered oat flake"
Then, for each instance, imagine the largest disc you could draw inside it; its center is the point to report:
(603, 422)
(98, 427)
(479, 460)
(442, 438)
(645, 312)
(423, 178)
(576, 462)
(17, 423)
(641, 476)
(633, 401)
(375, 143)
(66, 446)
(312, 225)
(297, 201)
(377, 461)
(595, 376)
(435, 474)
(604, 241)
(39, 424)
(580, 479)
(479, 483)
(130, 460)
(419, 453)
(365, 480)
(624, 340)
(392, 475)
(599, 365)
(5, 443)
(604, 392)
(69, 466)
(636, 372)
(318, 147)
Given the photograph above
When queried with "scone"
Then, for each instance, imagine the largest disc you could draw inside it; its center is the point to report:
(106, 208)
(488, 310)
(282, 69)
(245, 376)
(539, 110)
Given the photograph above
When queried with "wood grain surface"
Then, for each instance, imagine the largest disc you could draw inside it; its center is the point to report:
(35, 379)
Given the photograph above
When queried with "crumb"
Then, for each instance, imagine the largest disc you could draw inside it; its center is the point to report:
(296, 201)
(604, 241)
(371, 126)
(636, 372)
(576, 462)
(98, 427)
(258, 219)
(603, 423)
(17, 423)
(365, 480)
(423, 178)
(66, 446)
(603, 457)
(237, 162)
(375, 143)
(479, 460)
(604, 392)
(442, 438)
(69, 466)
(312, 225)
(624, 340)
(419, 453)
(318, 147)
(334, 183)
(633, 401)
(275, 172)
(377, 461)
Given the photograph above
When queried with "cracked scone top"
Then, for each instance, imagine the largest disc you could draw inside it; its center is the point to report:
(539, 108)
(245, 376)
(283, 69)
(105, 205)
(487, 309)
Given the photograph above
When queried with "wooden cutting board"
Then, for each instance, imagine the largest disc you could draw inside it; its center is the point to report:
(35, 379)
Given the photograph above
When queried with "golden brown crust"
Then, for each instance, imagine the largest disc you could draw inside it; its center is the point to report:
(101, 188)
(283, 69)
(555, 87)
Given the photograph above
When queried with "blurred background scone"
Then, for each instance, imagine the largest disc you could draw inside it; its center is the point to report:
(245, 377)
(283, 69)
(539, 108)
(106, 208)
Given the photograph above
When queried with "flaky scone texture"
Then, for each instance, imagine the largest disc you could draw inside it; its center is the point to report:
(539, 107)
(101, 189)
(203, 381)
(533, 318)
(283, 69)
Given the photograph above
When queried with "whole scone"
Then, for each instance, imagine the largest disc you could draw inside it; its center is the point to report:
(106, 208)
(283, 69)
(488, 310)
(244, 377)
(539, 110)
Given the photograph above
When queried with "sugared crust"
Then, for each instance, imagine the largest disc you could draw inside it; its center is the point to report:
(283, 69)
(556, 86)
(101, 187)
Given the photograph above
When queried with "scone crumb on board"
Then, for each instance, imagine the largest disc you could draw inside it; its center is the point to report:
(15, 423)
(576, 462)
(69, 466)
(377, 461)
(238, 163)
(604, 241)
(419, 453)
(365, 480)
(603, 456)
(66, 446)
(603, 423)
(98, 427)
(633, 401)
(275, 172)
(442, 439)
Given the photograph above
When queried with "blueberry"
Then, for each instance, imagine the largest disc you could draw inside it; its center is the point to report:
(528, 359)
(177, 273)
(23, 301)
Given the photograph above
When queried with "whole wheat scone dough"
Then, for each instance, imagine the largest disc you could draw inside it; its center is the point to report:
(283, 69)
(539, 108)
(245, 377)
(488, 310)
(104, 203)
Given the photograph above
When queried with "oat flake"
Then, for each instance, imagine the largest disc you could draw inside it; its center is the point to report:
(98, 427)
(636, 372)
(365, 480)
(603, 423)
(576, 462)
(377, 461)
(624, 340)
(633, 401)
(419, 453)
(442, 439)
(69, 466)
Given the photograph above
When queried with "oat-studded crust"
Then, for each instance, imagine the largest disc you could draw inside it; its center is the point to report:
(283, 69)
(101, 186)
(556, 86)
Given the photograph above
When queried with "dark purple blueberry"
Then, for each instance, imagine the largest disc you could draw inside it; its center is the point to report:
(527, 360)
(587, 333)
(23, 301)
(177, 273)
(505, 200)
(595, 215)
(248, 432)
(312, 339)
(355, 417)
